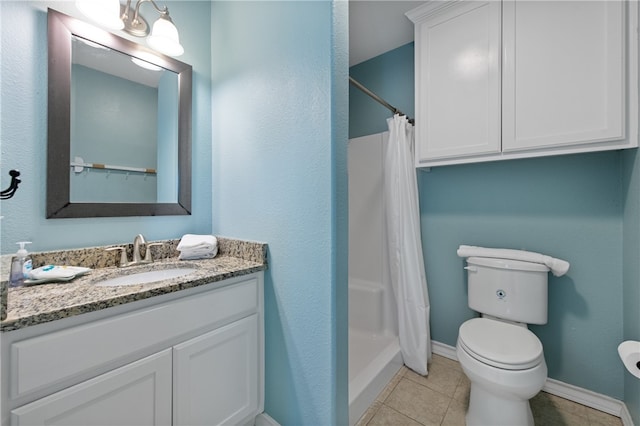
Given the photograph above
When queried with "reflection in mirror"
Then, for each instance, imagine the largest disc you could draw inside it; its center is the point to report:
(123, 114)
(119, 126)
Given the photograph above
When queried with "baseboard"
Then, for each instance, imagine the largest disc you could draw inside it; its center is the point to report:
(263, 419)
(573, 393)
(584, 396)
(444, 350)
(625, 416)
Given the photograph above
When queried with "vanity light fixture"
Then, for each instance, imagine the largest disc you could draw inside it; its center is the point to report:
(104, 12)
(164, 36)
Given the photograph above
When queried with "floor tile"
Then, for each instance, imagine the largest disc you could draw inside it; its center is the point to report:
(455, 415)
(437, 360)
(418, 402)
(387, 416)
(440, 378)
(462, 391)
(369, 414)
(598, 418)
(392, 384)
(551, 416)
(442, 398)
(562, 404)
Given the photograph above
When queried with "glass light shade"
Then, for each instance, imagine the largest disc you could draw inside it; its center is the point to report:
(164, 37)
(104, 12)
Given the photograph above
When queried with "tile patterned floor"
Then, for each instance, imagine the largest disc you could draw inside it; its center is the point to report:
(442, 398)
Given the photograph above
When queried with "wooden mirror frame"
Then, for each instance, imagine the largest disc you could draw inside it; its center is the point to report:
(61, 29)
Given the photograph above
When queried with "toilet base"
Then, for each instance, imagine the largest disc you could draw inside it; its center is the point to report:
(500, 397)
(486, 408)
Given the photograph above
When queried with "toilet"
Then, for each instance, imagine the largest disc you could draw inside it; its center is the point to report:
(502, 358)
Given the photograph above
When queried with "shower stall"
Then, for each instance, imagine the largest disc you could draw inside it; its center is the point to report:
(374, 351)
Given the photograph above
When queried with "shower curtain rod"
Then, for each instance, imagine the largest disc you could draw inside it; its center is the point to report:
(378, 99)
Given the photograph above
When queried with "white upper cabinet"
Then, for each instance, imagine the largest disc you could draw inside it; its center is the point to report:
(514, 79)
(458, 88)
(563, 73)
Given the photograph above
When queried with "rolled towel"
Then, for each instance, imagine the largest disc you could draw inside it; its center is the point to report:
(193, 241)
(558, 267)
(192, 246)
(194, 256)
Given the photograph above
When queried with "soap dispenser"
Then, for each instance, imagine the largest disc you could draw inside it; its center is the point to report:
(20, 266)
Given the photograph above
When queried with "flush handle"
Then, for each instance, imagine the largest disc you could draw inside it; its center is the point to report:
(471, 268)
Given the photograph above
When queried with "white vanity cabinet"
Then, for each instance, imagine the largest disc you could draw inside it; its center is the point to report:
(514, 79)
(216, 376)
(194, 357)
(136, 394)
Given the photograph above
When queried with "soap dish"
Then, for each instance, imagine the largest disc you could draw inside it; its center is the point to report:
(53, 273)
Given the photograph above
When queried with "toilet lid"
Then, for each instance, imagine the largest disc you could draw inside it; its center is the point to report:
(501, 344)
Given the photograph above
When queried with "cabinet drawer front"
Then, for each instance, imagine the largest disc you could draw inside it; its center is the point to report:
(46, 360)
(136, 394)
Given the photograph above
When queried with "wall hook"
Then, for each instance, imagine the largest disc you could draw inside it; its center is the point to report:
(13, 186)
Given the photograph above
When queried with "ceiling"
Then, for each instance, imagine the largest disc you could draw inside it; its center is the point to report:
(377, 26)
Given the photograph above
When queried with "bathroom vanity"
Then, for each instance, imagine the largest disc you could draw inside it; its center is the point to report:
(185, 350)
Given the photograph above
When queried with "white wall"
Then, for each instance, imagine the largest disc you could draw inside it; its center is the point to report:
(368, 257)
(366, 209)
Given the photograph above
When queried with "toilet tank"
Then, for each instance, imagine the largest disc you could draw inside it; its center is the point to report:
(508, 289)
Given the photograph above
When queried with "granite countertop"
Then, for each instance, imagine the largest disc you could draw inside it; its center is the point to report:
(37, 304)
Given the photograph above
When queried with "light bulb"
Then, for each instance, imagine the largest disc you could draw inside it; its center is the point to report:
(164, 37)
(144, 64)
(104, 12)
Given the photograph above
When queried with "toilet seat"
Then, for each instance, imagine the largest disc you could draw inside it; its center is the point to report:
(500, 344)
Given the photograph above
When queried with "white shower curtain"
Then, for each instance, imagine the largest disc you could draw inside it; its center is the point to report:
(405, 249)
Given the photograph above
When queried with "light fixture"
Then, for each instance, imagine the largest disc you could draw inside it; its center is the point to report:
(105, 12)
(164, 35)
(109, 13)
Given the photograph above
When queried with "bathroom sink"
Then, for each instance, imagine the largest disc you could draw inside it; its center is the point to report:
(145, 277)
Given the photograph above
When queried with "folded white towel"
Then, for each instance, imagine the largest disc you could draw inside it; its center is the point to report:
(194, 256)
(193, 241)
(193, 246)
(558, 267)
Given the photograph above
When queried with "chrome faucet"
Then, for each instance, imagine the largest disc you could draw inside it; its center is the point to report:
(136, 258)
(139, 239)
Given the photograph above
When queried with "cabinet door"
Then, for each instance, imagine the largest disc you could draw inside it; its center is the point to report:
(215, 376)
(564, 73)
(136, 394)
(458, 81)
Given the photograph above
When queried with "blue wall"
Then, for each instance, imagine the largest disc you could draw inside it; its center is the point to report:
(392, 76)
(279, 163)
(278, 135)
(99, 136)
(631, 270)
(23, 133)
(569, 207)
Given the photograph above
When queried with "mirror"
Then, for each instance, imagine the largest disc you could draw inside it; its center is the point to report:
(119, 126)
